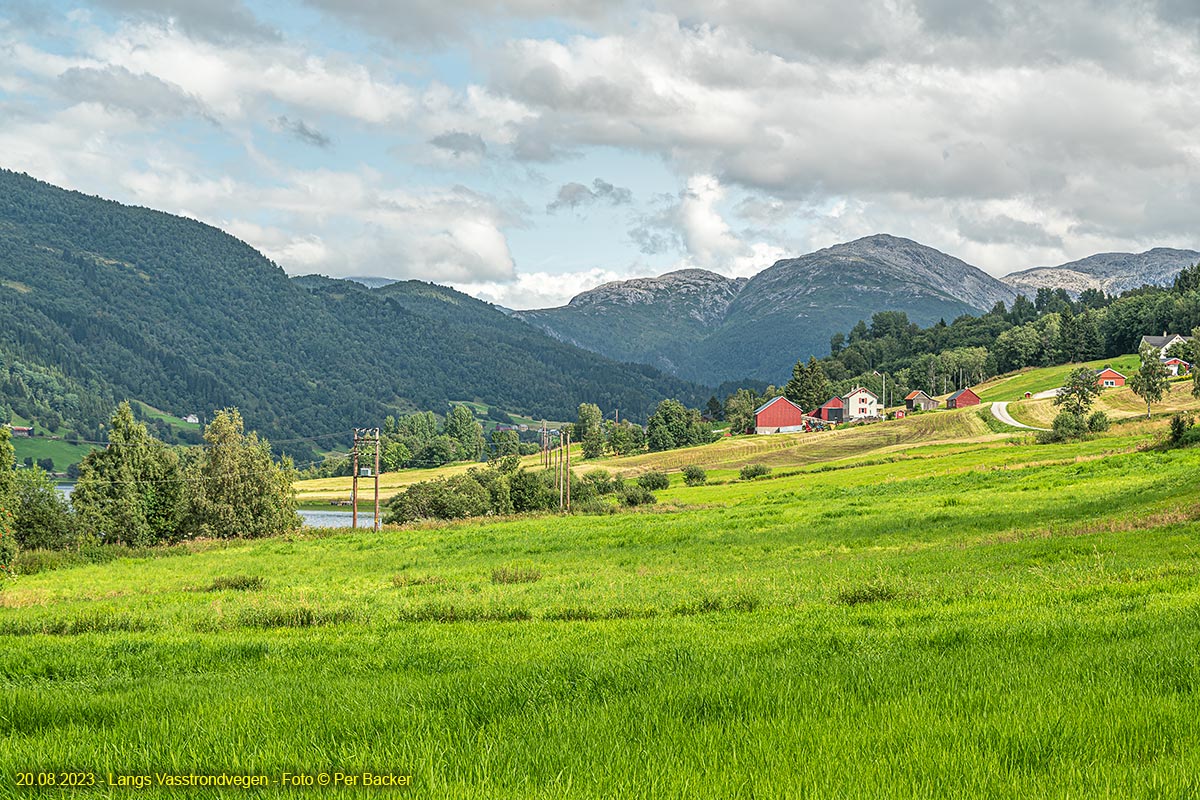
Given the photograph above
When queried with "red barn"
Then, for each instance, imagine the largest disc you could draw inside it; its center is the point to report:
(834, 410)
(962, 398)
(1109, 377)
(778, 416)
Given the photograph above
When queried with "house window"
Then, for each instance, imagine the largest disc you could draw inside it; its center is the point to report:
(1110, 382)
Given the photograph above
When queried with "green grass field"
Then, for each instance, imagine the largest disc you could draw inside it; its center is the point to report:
(1013, 386)
(64, 453)
(935, 617)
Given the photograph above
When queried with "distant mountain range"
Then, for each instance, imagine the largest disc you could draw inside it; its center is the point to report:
(1112, 273)
(710, 329)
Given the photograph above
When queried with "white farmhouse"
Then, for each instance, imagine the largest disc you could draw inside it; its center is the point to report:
(861, 404)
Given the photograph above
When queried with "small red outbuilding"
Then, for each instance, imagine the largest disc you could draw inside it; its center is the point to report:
(1109, 377)
(962, 398)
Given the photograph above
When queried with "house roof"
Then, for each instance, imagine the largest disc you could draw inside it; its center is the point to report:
(960, 393)
(775, 400)
(1165, 339)
(858, 389)
(1172, 361)
(914, 395)
(833, 402)
(1109, 369)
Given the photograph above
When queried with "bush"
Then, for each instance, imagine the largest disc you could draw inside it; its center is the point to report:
(1097, 422)
(43, 518)
(1180, 425)
(602, 481)
(634, 494)
(694, 475)
(1067, 427)
(8, 546)
(752, 471)
(654, 481)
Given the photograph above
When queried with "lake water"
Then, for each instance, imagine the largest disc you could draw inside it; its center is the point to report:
(312, 519)
(334, 519)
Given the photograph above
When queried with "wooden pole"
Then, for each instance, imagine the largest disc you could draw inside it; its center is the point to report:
(354, 486)
(377, 443)
(567, 476)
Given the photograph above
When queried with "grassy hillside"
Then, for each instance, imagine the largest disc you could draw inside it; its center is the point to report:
(1118, 403)
(1013, 386)
(974, 619)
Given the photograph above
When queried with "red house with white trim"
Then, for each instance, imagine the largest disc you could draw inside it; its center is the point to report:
(779, 416)
(1109, 377)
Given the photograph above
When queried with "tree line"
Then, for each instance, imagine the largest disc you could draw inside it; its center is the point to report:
(139, 491)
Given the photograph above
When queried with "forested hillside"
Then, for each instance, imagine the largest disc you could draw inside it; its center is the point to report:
(100, 301)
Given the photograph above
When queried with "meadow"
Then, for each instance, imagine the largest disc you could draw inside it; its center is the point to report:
(928, 617)
(1014, 385)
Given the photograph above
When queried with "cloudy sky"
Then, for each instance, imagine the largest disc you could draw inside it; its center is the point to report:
(523, 150)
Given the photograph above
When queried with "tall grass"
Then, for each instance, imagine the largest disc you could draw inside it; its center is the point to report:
(964, 619)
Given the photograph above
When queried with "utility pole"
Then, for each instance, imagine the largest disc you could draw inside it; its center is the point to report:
(354, 485)
(567, 476)
(378, 442)
(364, 436)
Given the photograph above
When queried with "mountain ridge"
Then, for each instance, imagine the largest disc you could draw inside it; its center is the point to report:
(1111, 273)
(724, 329)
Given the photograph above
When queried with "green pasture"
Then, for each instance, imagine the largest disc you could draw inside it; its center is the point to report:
(176, 422)
(1015, 385)
(943, 619)
(64, 453)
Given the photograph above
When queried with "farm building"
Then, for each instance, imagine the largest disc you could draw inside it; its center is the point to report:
(1109, 377)
(861, 404)
(919, 401)
(833, 410)
(962, 398)
(18, 430)
(1176, 366)
(778, 416)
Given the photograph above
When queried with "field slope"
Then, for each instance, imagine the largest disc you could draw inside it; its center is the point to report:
(957, 619)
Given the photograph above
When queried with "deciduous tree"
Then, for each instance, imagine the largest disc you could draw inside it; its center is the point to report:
(1150, 381)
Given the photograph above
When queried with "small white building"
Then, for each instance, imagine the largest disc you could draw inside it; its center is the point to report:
(192, 418)
(861, 404)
